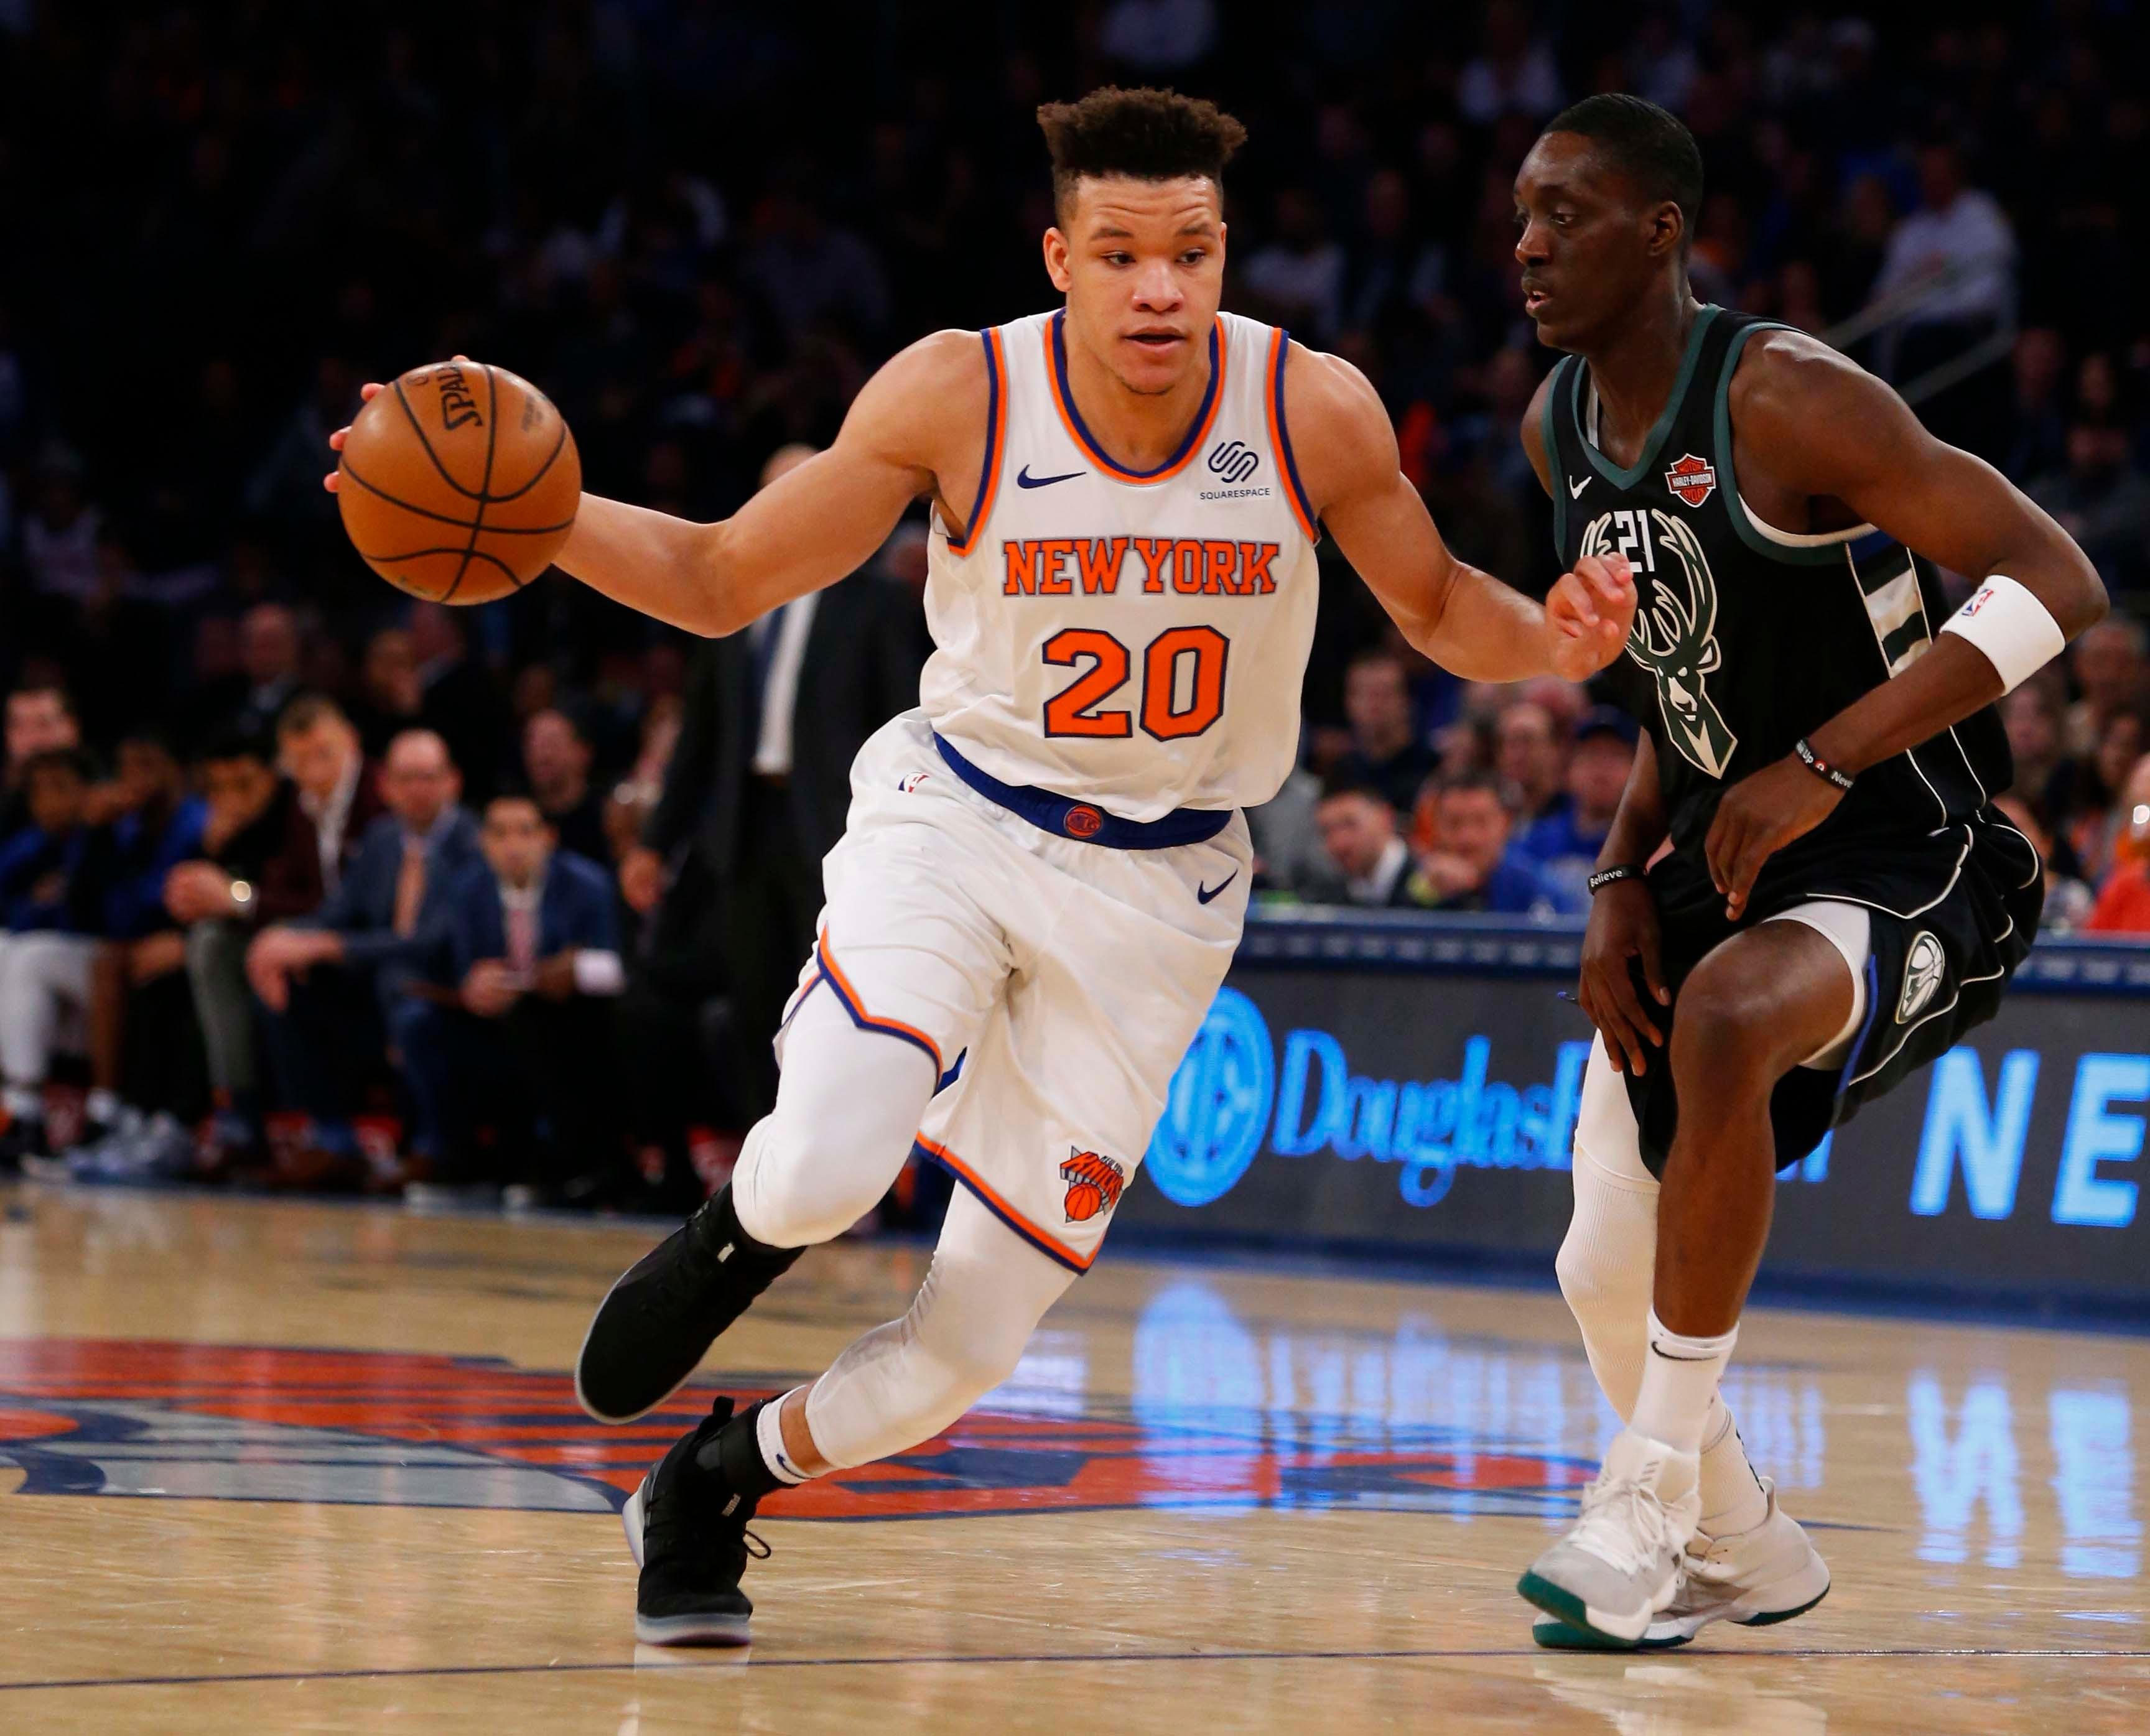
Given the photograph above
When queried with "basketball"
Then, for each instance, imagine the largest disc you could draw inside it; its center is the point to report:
(1085, 1200)
(459, 482)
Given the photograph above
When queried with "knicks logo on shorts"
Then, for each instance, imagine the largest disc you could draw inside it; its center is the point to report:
(1094, 1182)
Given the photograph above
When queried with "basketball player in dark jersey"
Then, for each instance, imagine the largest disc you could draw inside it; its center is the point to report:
(1840, 901)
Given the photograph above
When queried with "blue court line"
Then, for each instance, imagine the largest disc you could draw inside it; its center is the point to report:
(734, 1661)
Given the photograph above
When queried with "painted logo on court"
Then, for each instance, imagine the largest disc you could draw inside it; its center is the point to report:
(1218, 1106)
(107, 1417)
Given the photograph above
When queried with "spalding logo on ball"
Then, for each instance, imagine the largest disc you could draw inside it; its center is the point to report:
(459, 482)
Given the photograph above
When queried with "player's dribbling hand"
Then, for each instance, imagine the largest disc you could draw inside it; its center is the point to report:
(1759, 816)
(1623, 932)
(366, 394)
(1587, 614)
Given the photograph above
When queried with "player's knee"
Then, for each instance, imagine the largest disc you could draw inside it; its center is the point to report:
(977, 1353)
(810, 1173)
(1730, 1028)
(1596, 1279)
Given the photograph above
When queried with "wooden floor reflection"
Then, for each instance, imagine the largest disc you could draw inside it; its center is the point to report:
(289, 1467)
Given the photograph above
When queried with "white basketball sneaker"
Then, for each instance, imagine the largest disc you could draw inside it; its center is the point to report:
(1622, 1562)
(1755, 1577)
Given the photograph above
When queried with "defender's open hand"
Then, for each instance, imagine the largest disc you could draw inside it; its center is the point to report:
(1587, 614)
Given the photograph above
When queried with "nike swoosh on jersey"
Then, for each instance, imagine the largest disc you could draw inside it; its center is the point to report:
(1024, 479)
(1204, 894)
(1574, 489)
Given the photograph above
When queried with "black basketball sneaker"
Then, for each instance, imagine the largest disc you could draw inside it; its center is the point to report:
(659, 1319)
(686, 1528)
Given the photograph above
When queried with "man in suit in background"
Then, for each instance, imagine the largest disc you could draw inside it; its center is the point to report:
(533, 957)
(756, 794)
(333, 981)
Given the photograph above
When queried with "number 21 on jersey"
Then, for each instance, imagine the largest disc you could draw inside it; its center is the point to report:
(1182, 683)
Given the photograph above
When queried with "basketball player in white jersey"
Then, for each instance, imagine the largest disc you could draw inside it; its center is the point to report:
(1046, 868)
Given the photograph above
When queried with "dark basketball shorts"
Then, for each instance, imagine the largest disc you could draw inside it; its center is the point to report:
(1952, 914)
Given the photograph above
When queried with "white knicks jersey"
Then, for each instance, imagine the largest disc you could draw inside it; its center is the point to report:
(1134, 640)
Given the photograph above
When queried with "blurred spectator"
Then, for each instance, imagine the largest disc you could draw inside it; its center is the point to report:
(2123, 900)
(1958, 251)
(1358, 826)
(268, 649)
(40, 721)
(1385, 754)
(1565, 845)
(333, 983)
(1299, 274)
(261, 863)
(1529, 751)
(2039, 445)
(1472, 867)
(51, 908)
(1159, 37)
(556, 757)
(2102, 500)
(61, 530)
(2114, 674)
(390, 694)
(1289, 856)
(338, 791)
(524, 1054)
(462, 703)
(1511, 74)
(2094, 816)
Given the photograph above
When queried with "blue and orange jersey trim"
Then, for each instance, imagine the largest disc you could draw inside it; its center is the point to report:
(989, 474)
(833, 975)
(1070, 418)
(1294, 490)
(1050, 1246)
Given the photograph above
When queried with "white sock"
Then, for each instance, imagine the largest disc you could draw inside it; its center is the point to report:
(1679, 1384)
(23, 1102)
(769, 1436)
(102, 1106)
(1732, 1497)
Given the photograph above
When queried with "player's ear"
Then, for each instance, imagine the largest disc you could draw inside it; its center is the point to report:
(1056, 259)
(1667, 228)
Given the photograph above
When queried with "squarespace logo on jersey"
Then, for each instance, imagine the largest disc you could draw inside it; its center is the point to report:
(1232, 1090)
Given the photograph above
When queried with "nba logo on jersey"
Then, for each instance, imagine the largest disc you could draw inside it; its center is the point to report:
(1691, 479)
(1094, 1181)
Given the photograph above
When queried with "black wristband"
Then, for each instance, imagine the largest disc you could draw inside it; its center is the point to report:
(1605, 877)
(1820, 767)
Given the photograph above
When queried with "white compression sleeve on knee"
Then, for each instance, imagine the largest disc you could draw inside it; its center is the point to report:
(905, 1382)
(847, 1108)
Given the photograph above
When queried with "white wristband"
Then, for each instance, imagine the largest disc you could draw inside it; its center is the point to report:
(2017, 632)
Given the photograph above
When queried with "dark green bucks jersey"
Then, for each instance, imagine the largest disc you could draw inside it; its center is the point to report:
(1746, 637)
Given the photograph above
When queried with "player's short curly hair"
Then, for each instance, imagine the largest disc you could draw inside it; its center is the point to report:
(1650, 146)
(1152, 135)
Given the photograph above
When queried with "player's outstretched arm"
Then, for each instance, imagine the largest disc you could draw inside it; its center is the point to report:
(1466, 620)
(1832, 429)
(921, 417)
(813, 525)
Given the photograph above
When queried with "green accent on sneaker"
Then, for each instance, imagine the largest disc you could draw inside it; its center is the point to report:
(1772, 1618)
(1566, 1609)
(1559, 1637)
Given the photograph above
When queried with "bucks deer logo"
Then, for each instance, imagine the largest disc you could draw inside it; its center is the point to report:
(1674, 635)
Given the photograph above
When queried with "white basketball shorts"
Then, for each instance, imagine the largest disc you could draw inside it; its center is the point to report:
(1056, 984)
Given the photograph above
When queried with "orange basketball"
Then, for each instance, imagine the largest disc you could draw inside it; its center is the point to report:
(459, 482)
(1085, 1200)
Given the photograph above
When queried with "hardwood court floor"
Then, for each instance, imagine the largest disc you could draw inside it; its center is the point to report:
(303, 1468)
